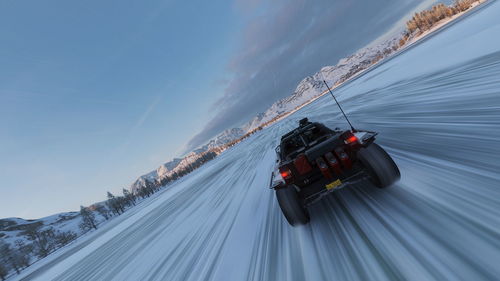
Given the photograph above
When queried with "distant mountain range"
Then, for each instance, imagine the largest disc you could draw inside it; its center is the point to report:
(223, 138)
(312, 86)
(169, 168)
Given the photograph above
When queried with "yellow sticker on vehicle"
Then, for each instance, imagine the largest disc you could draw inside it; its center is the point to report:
(334, 184)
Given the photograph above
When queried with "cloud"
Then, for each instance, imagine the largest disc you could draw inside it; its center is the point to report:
(283, 43)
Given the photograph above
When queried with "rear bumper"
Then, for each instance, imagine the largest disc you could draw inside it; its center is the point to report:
(315, 191)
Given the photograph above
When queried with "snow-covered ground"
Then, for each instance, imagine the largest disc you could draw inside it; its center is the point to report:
(437, 108)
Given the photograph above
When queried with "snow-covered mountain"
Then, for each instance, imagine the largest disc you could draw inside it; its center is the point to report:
(177, 164)
(254, 123)
(166, 168)
(169, 168)
(223, 138)
(312, 86)
(163, 171)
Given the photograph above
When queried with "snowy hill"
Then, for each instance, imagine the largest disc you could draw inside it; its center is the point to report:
(12, 228)
(164, 170)
(223, 138)
(149, 177)
(167, 168)
(176, 165)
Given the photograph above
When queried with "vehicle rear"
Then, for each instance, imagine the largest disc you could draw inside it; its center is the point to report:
(315, 158)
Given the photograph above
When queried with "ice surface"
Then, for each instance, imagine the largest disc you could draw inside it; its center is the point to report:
(437, 108)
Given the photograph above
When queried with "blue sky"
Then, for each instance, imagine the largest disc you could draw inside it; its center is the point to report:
(95, 93)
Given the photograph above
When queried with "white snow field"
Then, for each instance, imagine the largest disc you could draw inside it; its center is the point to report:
(437, 108)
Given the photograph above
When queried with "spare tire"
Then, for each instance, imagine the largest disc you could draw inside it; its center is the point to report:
(293, 210)
(382, 169)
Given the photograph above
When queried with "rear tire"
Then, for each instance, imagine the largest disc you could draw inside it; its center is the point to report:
(381, 168)
(289, 201)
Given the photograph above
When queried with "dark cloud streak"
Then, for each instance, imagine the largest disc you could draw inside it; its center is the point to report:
(291, 40)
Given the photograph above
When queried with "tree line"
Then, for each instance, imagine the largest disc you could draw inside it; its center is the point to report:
(425, 20)
(178, 173)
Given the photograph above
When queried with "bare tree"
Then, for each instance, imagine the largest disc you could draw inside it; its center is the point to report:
(12, 257)
(65, 237)
(88, 219)
(4, 259)
(103, 211)
(43, 240)
(129, 197)
(121, 202)
(24, 252)
(115, 203)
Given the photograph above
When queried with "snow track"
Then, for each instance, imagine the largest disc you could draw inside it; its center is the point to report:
(437, 108)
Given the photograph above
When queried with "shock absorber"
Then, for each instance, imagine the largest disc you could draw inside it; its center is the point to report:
(323, 167)
(344, 158)
(334, 164)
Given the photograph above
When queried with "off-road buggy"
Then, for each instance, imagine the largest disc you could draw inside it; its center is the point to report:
(313, 160)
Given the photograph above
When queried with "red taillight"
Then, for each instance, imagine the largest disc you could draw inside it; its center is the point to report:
(352, 139)
(302, 165)
(285, 173)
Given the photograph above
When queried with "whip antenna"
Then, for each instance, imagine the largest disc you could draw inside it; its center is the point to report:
(352, 128)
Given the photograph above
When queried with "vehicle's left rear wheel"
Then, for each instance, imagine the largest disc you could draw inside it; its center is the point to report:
(293, 210)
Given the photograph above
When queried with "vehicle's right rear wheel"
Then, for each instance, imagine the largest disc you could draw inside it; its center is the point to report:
(289, 201)
(381, 168)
